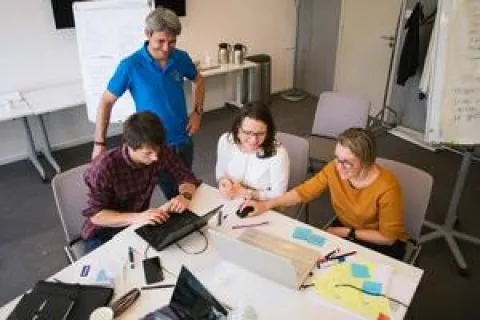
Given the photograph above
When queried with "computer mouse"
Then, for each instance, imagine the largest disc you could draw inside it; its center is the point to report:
(244, 212)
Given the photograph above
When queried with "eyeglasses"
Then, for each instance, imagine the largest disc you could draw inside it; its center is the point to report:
(344, 163)
(259, 134)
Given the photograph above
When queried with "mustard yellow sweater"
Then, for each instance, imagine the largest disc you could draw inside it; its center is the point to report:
(378, 206)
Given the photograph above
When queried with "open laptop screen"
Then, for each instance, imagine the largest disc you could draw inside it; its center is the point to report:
(192, 301)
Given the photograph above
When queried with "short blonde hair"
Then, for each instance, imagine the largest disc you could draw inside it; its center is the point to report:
(361, 143)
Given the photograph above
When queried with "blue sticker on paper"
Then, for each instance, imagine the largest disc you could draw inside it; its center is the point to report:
(360, 271)
(316, 240)
(301, 233)
(372, 287)
(102, 276)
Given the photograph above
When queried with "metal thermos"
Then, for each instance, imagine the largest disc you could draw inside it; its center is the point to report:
(224, 50)
(239, 53)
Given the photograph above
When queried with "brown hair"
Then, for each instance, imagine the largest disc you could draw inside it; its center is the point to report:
(143, 129)
(260, 112)
(361, 143)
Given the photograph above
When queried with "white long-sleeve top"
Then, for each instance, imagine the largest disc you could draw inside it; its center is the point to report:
(269, 176)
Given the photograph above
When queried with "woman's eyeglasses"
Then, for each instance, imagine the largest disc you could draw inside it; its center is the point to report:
(344, 163)
(259, 134)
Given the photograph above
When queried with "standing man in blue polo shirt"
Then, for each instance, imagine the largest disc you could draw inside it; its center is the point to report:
(154, 75)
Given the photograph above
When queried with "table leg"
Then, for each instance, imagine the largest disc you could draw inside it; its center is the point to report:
(32, 154)
(242, 86)
(46, 146)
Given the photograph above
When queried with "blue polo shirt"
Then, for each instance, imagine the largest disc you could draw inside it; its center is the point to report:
(156, 89)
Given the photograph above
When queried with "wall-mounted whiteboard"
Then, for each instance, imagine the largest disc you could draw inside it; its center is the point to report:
(108, 31)
(453, 113)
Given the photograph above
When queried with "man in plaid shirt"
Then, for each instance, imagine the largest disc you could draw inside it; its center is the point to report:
(121, 181)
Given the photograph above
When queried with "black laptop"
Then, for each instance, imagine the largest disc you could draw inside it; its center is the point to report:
(178, 226)
(190, 301)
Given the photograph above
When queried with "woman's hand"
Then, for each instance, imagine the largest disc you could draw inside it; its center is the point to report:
(259, 207)
(225, 186)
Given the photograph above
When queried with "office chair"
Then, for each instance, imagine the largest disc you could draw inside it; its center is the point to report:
(297, 149)
(335, 113)
(70, 194)
(416, 187)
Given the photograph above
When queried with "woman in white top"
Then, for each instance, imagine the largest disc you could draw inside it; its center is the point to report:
(250, 163)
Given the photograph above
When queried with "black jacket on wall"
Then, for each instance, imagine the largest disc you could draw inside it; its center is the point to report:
(411, 47)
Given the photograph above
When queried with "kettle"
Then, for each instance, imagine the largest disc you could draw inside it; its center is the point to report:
(239, 53)
(224, 50)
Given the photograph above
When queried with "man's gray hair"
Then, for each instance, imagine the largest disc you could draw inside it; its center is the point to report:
(163, 20)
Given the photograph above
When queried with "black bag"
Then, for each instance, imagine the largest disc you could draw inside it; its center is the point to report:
(60, 301)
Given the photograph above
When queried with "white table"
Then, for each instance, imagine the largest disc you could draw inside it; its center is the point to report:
(243, 83)
(17, 108)
(235, 286)
(53, 99)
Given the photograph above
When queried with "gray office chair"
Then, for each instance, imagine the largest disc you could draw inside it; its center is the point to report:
(70, 194)
(297, 149)
(335, 113)
(416, 187)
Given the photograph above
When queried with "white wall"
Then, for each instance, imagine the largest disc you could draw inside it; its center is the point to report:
(34, 55)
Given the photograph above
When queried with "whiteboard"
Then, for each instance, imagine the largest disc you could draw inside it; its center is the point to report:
(453, 107)
(107, 32)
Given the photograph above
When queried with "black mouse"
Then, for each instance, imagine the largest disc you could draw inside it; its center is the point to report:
(244, 212)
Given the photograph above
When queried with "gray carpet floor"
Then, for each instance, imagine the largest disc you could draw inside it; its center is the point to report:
(31, 238)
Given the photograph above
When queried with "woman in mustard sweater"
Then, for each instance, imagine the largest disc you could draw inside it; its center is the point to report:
(366, 197)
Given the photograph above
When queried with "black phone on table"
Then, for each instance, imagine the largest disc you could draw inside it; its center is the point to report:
(153, 270)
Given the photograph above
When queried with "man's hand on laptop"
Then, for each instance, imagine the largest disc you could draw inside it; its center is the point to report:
(177, 204)
(154, 215)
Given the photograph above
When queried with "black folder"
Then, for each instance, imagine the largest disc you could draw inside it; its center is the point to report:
(60, 301)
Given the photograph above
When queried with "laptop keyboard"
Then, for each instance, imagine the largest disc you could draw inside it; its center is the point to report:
(176, 222)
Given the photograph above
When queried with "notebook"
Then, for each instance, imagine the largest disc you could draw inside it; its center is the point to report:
(270, 256)
(178, 226)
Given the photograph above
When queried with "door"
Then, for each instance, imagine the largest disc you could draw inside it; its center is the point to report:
(365, 48)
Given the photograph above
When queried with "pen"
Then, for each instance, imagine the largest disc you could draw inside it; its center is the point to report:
(241, 226)
(327, 257)
(343, 256)
(130, 258)
(160, 286)
(219, 218)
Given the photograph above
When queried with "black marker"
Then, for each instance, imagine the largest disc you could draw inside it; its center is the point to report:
(130, 258)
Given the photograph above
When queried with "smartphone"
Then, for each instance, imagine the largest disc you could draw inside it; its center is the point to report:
(152, 269)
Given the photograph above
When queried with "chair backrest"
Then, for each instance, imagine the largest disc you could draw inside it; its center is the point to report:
(337, 112)
(416, 188)
(70, 194)
(297, 149)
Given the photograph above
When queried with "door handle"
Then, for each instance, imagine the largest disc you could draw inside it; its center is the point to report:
(389, 38)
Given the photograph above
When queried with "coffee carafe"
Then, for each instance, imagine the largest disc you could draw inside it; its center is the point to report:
(224, 50)
(239, 53)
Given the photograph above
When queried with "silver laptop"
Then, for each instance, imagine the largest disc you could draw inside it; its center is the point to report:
(272, 257)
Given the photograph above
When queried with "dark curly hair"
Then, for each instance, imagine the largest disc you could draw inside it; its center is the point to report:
(260, 112)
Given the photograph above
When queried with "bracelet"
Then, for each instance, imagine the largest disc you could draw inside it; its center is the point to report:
(99, 143)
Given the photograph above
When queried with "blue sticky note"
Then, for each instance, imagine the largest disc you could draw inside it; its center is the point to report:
(316, 240)
(301, 233)
(360, 271)
(102, 276)
(372, 287)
